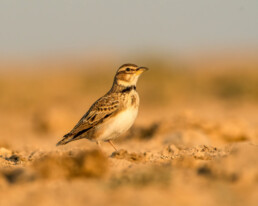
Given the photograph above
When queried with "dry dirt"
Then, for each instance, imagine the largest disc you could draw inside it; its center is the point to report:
(192, 144)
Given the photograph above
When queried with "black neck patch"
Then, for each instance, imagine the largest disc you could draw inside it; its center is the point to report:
(128, 89)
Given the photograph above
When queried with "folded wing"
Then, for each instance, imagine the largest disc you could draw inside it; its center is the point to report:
(100, 111)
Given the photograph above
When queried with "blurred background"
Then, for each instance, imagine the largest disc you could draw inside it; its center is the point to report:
(58, 57)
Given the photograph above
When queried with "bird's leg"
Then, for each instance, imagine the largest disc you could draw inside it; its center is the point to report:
(110, 142)
(98, 143)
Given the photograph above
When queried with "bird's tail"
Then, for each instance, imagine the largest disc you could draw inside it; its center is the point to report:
(66, 139)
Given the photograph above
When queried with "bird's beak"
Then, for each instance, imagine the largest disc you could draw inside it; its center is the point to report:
(140, 70)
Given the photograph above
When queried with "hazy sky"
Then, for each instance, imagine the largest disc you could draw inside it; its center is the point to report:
(42, 26)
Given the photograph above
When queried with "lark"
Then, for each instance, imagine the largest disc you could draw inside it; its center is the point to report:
(114, 113)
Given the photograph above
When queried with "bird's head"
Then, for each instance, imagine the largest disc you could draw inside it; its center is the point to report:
(128, 74)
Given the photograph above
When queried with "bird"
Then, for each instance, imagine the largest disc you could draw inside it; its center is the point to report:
(112, 114)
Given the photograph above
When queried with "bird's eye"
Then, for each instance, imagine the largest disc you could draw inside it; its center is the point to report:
(128, 69)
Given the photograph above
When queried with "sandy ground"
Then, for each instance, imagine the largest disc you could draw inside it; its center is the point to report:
(186, 148)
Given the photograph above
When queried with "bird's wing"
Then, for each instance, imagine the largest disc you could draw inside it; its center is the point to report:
(101, 110)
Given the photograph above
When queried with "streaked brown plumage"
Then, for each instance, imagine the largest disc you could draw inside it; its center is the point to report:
(112, 114)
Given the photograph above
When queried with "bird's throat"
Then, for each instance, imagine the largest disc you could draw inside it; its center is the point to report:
(122, 88)
(128, 89)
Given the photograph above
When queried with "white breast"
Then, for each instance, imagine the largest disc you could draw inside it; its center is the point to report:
(119, 124)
